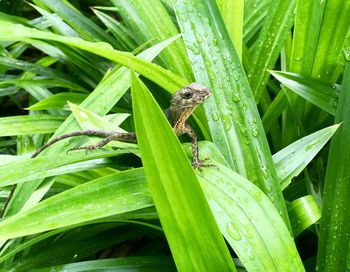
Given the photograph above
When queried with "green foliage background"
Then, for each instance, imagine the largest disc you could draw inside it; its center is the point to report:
(276, 192)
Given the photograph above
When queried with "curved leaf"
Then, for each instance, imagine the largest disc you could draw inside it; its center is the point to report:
(177, 195)
(29, 124)
(109, 195)
(303, 212)
(323, 95)
(233, 118)
(291, 160)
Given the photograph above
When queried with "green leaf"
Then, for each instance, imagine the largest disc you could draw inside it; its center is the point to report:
(320, 93)
(177, 195)
(308, 22)
(333, 246)
(247, 219)
(268, 46)
(84, 26)
(156, 24)
(291, 160)
(123, 35)
(254, 15)
(37, 69)
(109, 195)
(234, 24)
(303, 212)
(149, 263)
(46, 166)
(29, 124)
(233, 118)
(58, 101)
(89, 120)
(166, 79)
(335, 24)
(100, 101)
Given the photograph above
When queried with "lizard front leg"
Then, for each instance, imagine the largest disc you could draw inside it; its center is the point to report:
(196, 162)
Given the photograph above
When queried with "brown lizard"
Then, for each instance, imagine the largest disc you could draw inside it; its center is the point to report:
(182, 104)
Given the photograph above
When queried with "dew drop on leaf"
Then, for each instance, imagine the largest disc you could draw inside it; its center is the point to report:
(215, 116)
(233, 232)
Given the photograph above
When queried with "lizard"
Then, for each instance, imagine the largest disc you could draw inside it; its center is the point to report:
(182, 104)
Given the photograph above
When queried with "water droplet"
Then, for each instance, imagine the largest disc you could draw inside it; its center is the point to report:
(233, 232)
(215, 42)
(242, 129)
(258, 196)
(263, 169)
(297, 58)
(227, 122)
(347, 53)
(254, 132)
(251, 255)
(215, 116)
(199, 39)
(235, 97)
(194, 49)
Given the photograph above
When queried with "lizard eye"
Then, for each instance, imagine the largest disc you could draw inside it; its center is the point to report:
(187, 95)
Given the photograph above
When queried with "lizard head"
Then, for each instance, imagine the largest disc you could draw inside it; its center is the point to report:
(190, 96)
(185, 101)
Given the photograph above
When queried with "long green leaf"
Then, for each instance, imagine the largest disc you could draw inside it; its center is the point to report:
(164, 78)
(291, 160)
(333, 33)
(123, 35)
(232, 13)
(303, 212)
(234, 121)
(109, 195)
(271, 39)
(188, 223)
(84, 26)
(100, 101)
(249, 222)
(46, 166)
(29, 124)
(333, 247)
(315, 91)
(149, 263)
(58, 101)
(156, 24)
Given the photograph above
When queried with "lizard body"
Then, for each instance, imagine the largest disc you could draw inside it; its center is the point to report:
(182, 105)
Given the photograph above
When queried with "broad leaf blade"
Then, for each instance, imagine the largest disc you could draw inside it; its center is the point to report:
(315, 91)
(100, 101)
(188, 223)
(156, 24)
(271, 39)
(334, 240)
(291, 160)
(303, 212)
(29, 124)
(233, 118)
(110, 195)
(247, 218)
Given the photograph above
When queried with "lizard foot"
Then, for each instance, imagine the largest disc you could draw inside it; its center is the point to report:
(198, 164)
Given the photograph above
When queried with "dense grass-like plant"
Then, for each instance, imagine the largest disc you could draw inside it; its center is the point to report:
(274, 190)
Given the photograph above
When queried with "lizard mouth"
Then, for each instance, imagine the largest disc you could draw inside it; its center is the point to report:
(204, 94)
